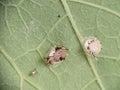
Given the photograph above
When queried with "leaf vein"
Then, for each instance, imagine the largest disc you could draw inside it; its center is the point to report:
(21, 84)
(56, 77)
(33, 17)
(21, 17)
(36, 3)
(53, 27)
(7, 23)
(88, 83)
(79, 37)
(50, 69)
(24, 54)
(98, 6)
(21, 1)
(2, 3)
(10, 60)
(29, 82)
(109, 57)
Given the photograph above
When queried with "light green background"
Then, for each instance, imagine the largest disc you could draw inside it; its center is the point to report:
(29, 28)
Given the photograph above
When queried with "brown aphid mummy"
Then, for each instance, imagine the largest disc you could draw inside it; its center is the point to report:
(92, 46)
(56, 54)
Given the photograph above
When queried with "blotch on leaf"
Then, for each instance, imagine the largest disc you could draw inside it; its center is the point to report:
(56, 55)
(92, 46)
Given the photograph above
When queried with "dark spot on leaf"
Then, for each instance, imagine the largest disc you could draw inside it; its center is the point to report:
(59, 16)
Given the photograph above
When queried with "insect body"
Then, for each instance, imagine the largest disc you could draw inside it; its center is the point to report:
(33, 72)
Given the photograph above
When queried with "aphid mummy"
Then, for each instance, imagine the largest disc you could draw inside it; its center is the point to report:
(92, 46)
(56, 54)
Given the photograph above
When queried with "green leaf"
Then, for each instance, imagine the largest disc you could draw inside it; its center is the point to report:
(29, 28)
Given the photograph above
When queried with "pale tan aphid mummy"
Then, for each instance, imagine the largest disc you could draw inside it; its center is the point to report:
(92, 46)
(56, 54)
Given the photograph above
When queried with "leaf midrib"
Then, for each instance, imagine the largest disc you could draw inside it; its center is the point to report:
(79, 37)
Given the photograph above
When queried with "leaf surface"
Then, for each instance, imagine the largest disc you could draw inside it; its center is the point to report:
(29, 28)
